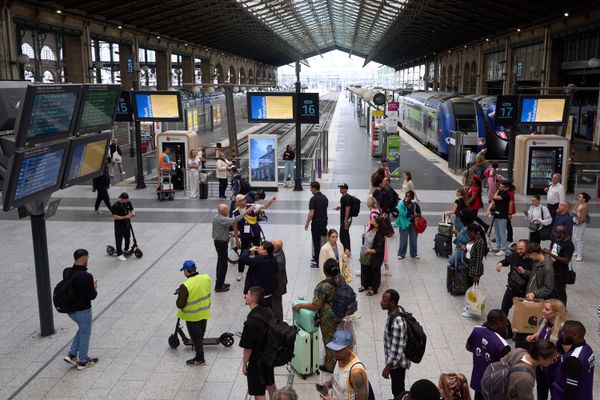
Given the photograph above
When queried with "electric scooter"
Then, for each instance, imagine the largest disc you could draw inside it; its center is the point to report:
(135, 250)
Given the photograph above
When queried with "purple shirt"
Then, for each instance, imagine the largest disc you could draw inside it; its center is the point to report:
(576, 369)
(488, 347)
(546, 333)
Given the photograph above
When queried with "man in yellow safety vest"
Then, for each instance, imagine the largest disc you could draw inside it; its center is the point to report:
(193, 302)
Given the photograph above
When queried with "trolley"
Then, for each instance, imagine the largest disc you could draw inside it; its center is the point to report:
(165, 189)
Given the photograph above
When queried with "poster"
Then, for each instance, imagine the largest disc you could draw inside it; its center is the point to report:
(393, 154)
(263, 160)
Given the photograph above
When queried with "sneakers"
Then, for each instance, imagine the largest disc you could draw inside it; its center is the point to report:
(193, 361)
(416, 257)
(122, 172)
(466, 314)
(500, 253)
(578, 258)
(71, 359)
(400, 257)
(96, 212)
(91, 361)
(357, 272)
(314, 266)
(239, 277)
(122, 258)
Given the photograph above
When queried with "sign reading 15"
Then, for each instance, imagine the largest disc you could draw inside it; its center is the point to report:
(309, 107)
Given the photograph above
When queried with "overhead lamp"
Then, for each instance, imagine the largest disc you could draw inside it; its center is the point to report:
(145, 68)
(120, 26)
(236, 89)
(593, 62)
(566, 14)
(518, 29)
(158, 37)
(465, 46)
(211, 90)
(185, 45)
(487, 40)
(59, 11)
(196, 90)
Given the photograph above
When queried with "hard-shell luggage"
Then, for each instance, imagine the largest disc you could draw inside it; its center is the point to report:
(442, 245)
(305, 319)
(306, 353)
(457, 279)
(203, 190)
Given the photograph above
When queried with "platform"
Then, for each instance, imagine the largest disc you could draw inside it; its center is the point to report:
(135, 310)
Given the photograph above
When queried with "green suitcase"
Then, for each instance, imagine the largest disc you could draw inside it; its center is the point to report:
(305, 319)
(306, 353)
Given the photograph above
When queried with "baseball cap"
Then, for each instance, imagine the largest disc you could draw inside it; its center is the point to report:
(188, 265)
(343, 186)
(124, 196)
(240, 197)
(341, 340)
(424, 389)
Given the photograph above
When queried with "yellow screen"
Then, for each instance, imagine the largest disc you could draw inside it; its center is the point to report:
(550, 110)
(164, 106)
(280, 107)
(93, 156)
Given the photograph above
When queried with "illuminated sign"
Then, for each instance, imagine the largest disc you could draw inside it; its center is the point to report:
(262, 151)
(307, 111)
(506, 110)
(99, 104)
(157, 106)
(86, 158)
(124, 107)
(270, 107)
(543, 110)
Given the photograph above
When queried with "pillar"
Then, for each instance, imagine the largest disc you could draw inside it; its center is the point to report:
(77, 64)
(8, 44)
(207, 72)
(187, 76)
(163, 70)
(436, 74)
(508, 80)
(126, 60)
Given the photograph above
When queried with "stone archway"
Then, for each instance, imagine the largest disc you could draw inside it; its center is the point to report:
(219, 74)
(250, 76)
(473, 77)
(232, 76)
(450, 80)
(467, 79)
(242, 76)
(456, 79)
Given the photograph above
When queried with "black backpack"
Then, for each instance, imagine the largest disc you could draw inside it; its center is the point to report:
(279, 342)
(63, 296)
(354, 206)
(244, 186)
(416, 337)
(385, 227)
(394, 199)
(344, 299)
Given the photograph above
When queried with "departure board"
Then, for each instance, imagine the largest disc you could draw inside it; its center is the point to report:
(157, 106)
(86, 158)
(48, 112)
(539, 110)
(270, 107)
(98, 108)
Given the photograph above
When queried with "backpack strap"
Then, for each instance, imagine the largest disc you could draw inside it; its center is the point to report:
(393, 317)
(371, 393)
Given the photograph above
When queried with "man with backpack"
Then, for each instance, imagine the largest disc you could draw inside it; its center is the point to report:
(395, 338)
(81, 291)
(345, 208)
(260, 377)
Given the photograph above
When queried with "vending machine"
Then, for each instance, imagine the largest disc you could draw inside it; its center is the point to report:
(537, 158)
(180, 143)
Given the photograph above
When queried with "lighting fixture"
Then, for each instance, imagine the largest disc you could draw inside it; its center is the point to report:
(58, 11)
(566, 14)
(158, 37)
(120, 27)
(518, 29)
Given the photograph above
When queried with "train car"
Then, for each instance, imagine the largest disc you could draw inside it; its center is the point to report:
(430, 116)
(497, 138)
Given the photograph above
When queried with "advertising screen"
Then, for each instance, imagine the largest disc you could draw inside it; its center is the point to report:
(157, 106)
(86, 158)
(270, 107)
(99, 103)
(48, 112)
(543, 110)
(34, 173)
(263, 159)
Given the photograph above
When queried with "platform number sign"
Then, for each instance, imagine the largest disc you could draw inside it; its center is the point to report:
(307, 111)
(506, 110)
(124, 107)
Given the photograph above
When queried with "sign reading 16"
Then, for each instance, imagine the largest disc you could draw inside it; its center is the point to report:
(308, 107)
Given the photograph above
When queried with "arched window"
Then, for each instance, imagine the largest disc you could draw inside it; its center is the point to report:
(27, 50)
(48, 77)
(48, 54)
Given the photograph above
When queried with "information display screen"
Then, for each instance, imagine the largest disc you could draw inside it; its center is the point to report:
(99, 103)
(124, 107)
(270, 107)
(35, 172)
(86, 158)
(48, 112)
(543, 110)
(157, 106)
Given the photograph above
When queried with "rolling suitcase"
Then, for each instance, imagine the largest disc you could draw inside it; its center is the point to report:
(306, 353)
(457, 279)
(203, 190)
(442, 245)
(305, 319)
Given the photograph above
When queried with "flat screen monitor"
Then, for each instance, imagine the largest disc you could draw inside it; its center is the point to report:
(85, 158)
(98, 107)
(543, 110)
(270, 107)
(34, 173)
(124, 107)
(157, 106)
(48, 112)
(12, 94)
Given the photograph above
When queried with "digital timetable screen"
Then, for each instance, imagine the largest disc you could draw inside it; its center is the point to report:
(86, 158)
(543, 110)
(270, 107)
(99, 103)
(157, 106)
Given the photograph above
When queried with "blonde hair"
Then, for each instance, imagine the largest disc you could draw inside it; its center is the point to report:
(454, 386)
(372, 202)
(561, 316)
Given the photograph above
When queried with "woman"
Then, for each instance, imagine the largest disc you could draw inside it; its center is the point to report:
(193, 175)
(459, 204)
(554, 316)
(408, 210)
(371, 258)
(462, 237)
(511, 211)
(116, 157)
(540, 220)
(408, 185)
(581, 218)
(474, 253)
(288, 161)
(492, 178)
(324, 295)
(520, 383)
(374, 212)
(454, 386)
(334, 249)
(377, 178)
(474, 202)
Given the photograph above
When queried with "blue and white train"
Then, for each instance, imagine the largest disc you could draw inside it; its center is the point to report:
(497, 137)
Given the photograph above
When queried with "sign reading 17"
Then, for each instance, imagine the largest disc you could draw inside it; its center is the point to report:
(309, 107)
(506, 110)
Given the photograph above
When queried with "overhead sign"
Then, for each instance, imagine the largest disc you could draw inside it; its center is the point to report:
(270, 107)
(379, 99)
(157, 106)
(307, 108)
(124, 112)
(506, 110)
(86, 158)
(393, 106)
(99, 104)
(543, 110)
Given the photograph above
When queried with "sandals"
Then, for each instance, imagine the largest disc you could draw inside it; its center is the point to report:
(371, 292)
(361, 289)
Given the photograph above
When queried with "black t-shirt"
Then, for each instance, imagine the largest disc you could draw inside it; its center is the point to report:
(460, 205)
(345, 201)
(289, 155)
(319, 204)
(83, 287)
(563, 249)
(255, 330)
(121, 209)
(501, 206)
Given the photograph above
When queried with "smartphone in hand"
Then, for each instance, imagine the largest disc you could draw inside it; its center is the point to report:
(322, 389)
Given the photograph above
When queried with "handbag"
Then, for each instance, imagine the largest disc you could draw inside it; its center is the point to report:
(572, 275)
(534, 226)
(365, 259)
(445, 227)
(117, 157)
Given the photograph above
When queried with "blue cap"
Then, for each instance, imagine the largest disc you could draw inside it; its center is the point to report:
(188, 265)
(341, 340)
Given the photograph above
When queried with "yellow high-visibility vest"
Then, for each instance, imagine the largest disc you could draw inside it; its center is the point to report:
(198, 302)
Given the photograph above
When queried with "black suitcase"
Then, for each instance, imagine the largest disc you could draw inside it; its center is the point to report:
(203, 190)
(457, 279)
(442, 245)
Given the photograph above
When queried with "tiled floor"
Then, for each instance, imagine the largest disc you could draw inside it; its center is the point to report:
(135, 310)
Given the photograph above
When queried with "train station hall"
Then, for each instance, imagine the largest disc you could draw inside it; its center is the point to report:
(299, 199)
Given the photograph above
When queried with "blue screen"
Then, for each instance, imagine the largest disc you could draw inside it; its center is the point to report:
(258, 107)
(51, 114)
(144, 106)
(38, 172)
(529, 110)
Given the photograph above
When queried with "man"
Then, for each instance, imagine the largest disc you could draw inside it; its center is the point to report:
(222, 173)
(540, 281)
(349, 379)
(555, 194)
(100, 185)
(262, 270)
(561, 250)
(395, 337)
(84, 291)
(260, 378)
(517, 280)
(391, 196)
(500, 212)
(488, 346)
(562, 217)
(247, 232)
(574, 377)
(480, 162)
(220, 234)
(345, 218)
(423, 389)
(122, 212)
(193, 301)
(317, 218)
(164, 161)
(280, 279)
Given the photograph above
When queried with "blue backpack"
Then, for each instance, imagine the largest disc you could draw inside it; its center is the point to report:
(344, 300)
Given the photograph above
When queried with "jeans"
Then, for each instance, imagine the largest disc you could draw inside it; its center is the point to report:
(458, 225)
(196, 330)
(222, 187)
(288, 173)
(500, 229)
(406, 235)
(221, 247)
(578, 231)
(456, 256)
(398, 376)
(81, 340)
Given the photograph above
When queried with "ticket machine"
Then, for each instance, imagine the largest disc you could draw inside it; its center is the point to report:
(180, 143)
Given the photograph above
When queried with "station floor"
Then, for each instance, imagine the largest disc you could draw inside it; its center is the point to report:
(135, 311)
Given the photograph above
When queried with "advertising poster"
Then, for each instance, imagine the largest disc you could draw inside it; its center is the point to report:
(263, 160)
(393, 154)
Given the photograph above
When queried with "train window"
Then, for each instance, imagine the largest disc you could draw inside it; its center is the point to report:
(465, 116)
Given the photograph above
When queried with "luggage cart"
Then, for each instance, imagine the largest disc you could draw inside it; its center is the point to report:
(165, 189)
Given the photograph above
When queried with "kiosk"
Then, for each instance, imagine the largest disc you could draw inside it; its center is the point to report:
(180, 143)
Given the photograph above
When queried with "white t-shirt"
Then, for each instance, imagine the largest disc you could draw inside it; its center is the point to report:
(556, 194)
